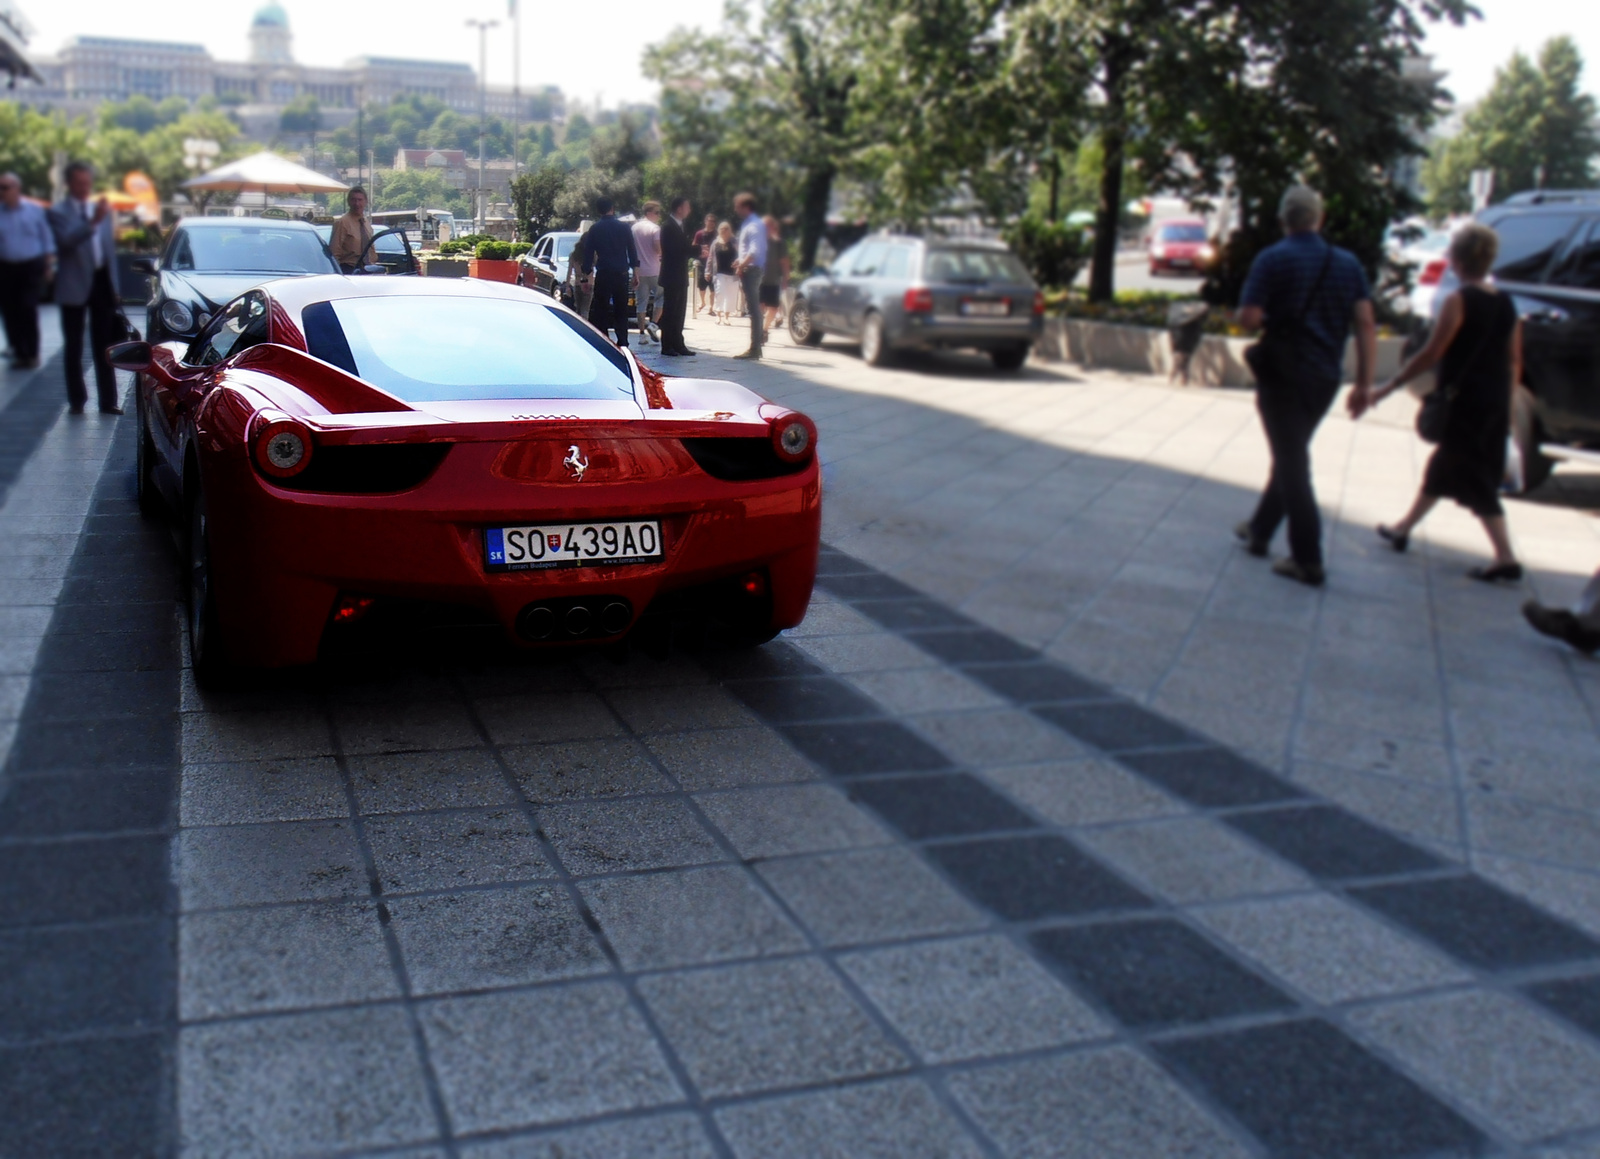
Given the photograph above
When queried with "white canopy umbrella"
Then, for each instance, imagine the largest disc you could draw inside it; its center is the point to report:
(264, 173)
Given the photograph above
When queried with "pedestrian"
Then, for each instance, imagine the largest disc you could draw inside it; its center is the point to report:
(352, 233)
(724, 260)
(751, 265)
(704, 239)
(675, 257)
(774, 275)
(613, 259)
(1580, 627)
(27, 248)
(1477, 346)
(1308, 293)
(86, 286)
(647, 241)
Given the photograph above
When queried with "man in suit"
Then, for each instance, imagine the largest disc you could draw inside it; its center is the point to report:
(676, 252)
(86, 286)
(612, 258)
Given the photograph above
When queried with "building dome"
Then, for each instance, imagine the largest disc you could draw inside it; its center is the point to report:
(270, 40)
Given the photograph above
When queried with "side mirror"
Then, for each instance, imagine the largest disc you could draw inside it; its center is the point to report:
(143, 265)
(133, 356)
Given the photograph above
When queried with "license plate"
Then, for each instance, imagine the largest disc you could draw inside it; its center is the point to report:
(985, 309)
(1180, 262)
(571, 545)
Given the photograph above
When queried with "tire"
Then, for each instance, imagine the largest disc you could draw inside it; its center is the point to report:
(1525, 429)
(1009, 358)
(802, 327)
(206, 654)
(144, 465)
(874, 343)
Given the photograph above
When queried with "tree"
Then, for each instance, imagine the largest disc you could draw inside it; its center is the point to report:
(421, 189)
(29, 141)
(578, 129)
(765, 102)
(301, 115)
(1535, 128)
(533, 199)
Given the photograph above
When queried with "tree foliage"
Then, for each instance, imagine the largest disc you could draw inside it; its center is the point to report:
(533, 199)
(421, 189)
(1535, 127)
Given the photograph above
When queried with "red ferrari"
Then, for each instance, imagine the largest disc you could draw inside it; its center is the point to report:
(348, 452)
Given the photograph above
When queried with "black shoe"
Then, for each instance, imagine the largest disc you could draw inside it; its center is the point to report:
(1251, 544)
(111, 410)
(1393, 538)
(1310, 574)
(75, 409)
(1499, 573)
(686, 352)
(750, 356)
(672, 353)
(1560, 624)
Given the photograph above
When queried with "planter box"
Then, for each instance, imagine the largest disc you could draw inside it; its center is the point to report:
(1148, 350)
(443, 268)
(493, 271)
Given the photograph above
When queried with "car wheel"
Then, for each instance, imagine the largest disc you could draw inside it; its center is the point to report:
(205, 640)
(1009, 357)
(145, 464)
(1525, 429)
(874, 345)
(802, 327)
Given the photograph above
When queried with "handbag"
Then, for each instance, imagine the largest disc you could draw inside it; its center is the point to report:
(126, 330)
(1433, 416)
(1276, 357)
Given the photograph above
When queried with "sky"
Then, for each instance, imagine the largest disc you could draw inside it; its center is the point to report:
(331, 33)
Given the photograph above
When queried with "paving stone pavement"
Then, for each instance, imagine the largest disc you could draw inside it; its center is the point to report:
(912, 881)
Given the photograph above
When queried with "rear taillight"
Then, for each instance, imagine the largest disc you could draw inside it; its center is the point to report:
(794, 438)
(1038, 302)
(280, 445)
(1432, 273)
(919, 300)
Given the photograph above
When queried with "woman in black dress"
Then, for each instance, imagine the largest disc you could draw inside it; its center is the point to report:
(1477, 346)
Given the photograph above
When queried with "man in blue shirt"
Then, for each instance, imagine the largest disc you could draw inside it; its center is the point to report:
(1310, 293)
(27, 247)
(608, 251)
(752, 260)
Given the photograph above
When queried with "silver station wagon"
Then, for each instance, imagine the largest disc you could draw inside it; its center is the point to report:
(908, 293)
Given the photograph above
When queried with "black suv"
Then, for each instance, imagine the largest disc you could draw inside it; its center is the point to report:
(1550, 264)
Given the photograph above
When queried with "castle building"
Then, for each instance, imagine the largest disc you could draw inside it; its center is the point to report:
(92, 69)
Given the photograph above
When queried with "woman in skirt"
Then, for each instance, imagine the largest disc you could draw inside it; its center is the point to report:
(725, 300)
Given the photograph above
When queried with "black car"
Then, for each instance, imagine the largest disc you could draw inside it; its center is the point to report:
(389, 248)
(1549, 263)
(209, 261)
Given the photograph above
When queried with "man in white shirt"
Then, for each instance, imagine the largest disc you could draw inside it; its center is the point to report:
(86, 286)
(647, 240)
(752, 261)
(27, 247)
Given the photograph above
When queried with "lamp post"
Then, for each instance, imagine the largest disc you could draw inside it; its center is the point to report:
(516, 84)
(483, 27)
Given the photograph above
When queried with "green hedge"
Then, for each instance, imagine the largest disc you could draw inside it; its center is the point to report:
(493, 251)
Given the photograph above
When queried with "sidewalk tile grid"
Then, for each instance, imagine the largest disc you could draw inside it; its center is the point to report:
(609, 920)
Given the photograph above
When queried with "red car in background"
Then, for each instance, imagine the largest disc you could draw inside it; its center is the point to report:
(345, 452)
(1180, 247)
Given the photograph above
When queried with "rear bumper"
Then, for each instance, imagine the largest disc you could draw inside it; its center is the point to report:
(282, 559)
(924, 331)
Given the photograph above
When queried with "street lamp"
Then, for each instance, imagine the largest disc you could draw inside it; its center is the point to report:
(483, 27)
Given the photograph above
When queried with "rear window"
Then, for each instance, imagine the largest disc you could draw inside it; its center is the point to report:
(974, 266)
(1527, 242)
(252, 249)
(439, 349)
(1183, 233)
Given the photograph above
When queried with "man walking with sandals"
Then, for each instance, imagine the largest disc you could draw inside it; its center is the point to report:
(1308, 294)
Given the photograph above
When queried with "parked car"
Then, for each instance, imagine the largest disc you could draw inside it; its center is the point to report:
(903, 293)
(544, 267)
(339, 452)
(209, 261)
(389, 248)
(1426, 257)
(1180, 247)
(1549, 262)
